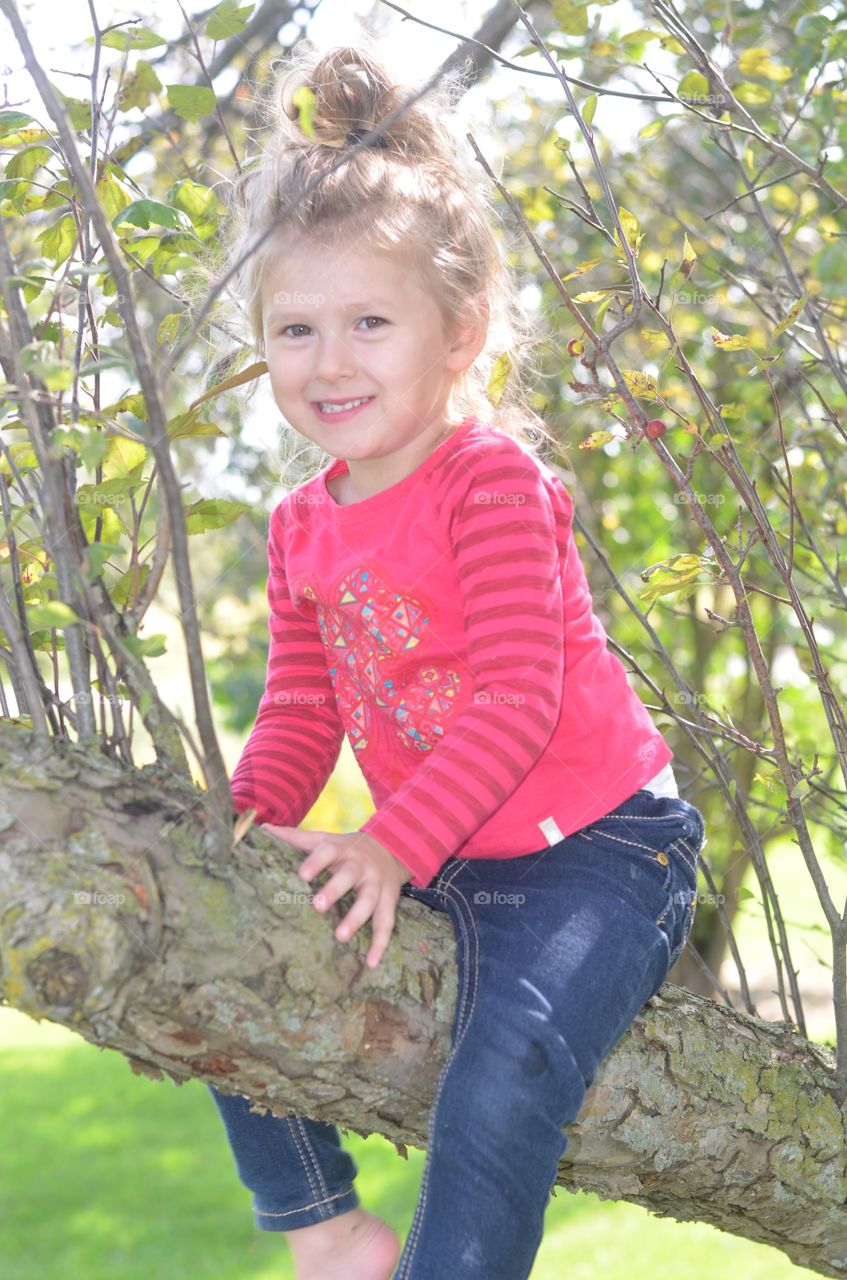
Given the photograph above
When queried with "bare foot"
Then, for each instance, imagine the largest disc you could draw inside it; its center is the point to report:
(354, 1246)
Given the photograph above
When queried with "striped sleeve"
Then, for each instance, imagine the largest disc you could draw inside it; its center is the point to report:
(296, 739)
(502, 527)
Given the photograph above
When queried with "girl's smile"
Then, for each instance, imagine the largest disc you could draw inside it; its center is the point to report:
(337, 411)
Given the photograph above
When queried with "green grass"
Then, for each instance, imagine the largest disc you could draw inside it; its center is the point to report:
(105, 1175)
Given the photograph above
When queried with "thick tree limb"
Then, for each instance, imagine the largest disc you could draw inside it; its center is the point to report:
(224, 973)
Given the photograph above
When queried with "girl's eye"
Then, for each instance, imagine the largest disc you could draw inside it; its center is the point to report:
(304, 328)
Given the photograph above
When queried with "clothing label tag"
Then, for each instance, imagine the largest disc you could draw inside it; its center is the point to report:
(550, 831)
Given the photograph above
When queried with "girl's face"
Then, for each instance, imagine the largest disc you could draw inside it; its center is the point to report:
(345, 325)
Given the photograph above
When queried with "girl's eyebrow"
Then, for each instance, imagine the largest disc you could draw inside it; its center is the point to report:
(287, 308)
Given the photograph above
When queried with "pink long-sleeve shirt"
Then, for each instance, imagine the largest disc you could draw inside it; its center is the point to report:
(446, 626)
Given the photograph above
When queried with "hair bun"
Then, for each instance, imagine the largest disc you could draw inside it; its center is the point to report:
(351, 92)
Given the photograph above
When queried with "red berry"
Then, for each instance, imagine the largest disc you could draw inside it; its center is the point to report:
(655, 428)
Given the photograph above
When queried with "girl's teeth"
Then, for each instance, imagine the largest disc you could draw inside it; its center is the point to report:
(339, 408)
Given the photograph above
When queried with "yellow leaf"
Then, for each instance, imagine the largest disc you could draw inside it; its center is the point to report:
(640, 384)
(629, 222)
(596, 440)
(729, 342)
(582, 268)
(796, 308)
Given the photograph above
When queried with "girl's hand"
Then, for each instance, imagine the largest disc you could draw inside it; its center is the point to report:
(358, 862)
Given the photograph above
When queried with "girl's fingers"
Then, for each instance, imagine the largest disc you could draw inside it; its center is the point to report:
(361, 911)
(335, 888)
(321, 857)
(381, 929)
(295, 835)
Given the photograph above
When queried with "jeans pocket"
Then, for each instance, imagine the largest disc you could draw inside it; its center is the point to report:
(652, 843)
(686, 857)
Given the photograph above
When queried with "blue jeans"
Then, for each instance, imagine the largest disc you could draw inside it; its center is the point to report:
(557, 951)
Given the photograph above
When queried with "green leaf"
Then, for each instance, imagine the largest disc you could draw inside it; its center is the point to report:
(78, 109)
(24, 163)
(134, 38)
(138, 87)
(694, 86)
(110, 493)
(168, 328)
(213, 513)
(304, 100)
(41, 360)
(499, 377)
(671, 576)
(11, 121)
(757, 62)
(112, 195)
(689, 257)
(571, 17)
(227, 20)
(58, 240)
(244, 375)
(752, 95)
(129, 584)
(199, 202)
(655, 126)
(144, 213)
(190, 101)
(151, 647)
(188, 424)
(53, 613)
(98, 553)
(589, 109)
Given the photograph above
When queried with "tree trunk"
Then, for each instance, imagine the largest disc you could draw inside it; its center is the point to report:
(115, 922)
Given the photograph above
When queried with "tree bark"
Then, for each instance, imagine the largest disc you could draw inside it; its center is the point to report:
(226, 974)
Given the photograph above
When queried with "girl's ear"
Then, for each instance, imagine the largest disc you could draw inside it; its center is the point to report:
(469, 336)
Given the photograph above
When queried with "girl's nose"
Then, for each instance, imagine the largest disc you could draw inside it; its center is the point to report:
(334, 357)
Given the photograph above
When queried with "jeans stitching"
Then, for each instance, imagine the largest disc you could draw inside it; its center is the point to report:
(471, 970)
(285, 1213)
(298, 1134)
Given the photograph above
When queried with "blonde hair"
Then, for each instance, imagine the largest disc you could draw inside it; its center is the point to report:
(410, 191)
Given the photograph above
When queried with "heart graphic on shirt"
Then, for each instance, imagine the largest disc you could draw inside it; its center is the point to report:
(368, 629)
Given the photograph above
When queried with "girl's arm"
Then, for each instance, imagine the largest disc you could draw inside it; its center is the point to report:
(296, 739)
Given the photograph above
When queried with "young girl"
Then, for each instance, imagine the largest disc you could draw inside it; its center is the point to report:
(427, 599)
